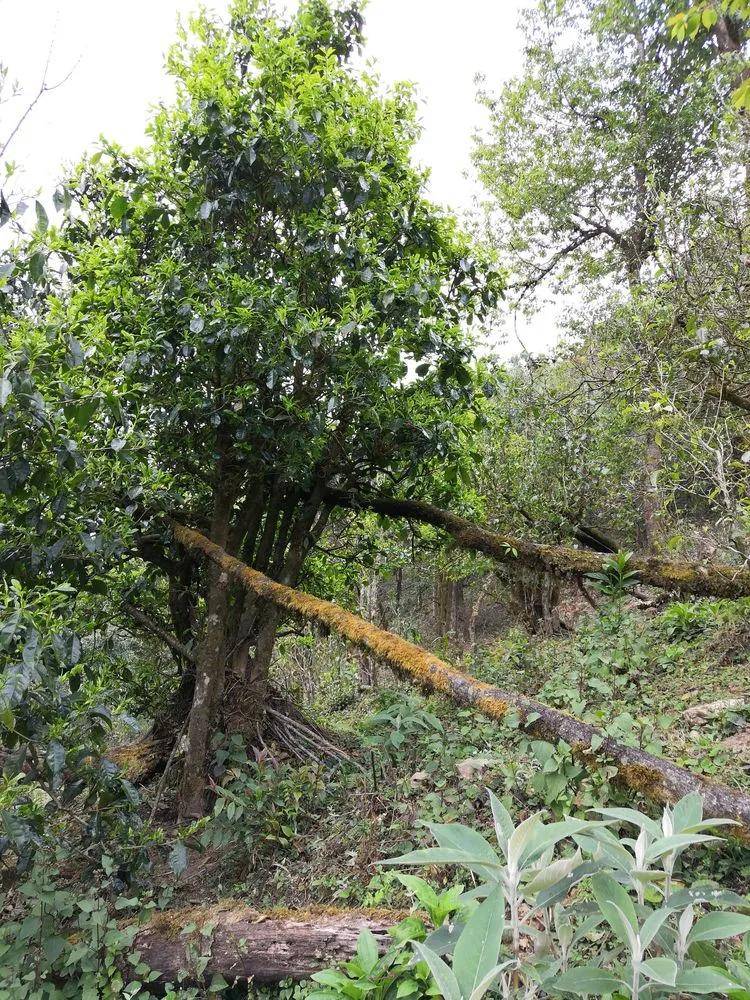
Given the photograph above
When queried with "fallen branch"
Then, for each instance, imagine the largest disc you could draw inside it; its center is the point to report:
(654, 777)
(244, 944)
(667, 574)
(292, 730)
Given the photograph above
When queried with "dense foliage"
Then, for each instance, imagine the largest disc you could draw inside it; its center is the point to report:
(258, 326)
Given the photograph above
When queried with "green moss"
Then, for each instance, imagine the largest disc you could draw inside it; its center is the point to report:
(642, 778)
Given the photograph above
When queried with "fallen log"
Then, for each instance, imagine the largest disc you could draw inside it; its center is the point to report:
(654, 777)
(713, 580)
(234, 941)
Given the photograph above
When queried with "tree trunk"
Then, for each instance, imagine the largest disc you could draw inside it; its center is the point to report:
(448, 605)
(368, 606)
(246, 694)
(210, 666)
(648, 536)
(705, 580)
(245, 944)
(476, 607)
(538, 595)
(442, 603)
(654, 777)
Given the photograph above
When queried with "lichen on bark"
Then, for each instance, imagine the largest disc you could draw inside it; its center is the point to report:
(654, 777)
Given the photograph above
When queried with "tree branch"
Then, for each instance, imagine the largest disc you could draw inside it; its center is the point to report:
(681, 577)
(654, 777)
(151, 626)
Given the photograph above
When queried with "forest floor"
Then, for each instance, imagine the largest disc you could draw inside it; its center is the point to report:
(300, 834)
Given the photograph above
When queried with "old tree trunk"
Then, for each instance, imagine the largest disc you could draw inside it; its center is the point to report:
(271, 527)
(224, 682)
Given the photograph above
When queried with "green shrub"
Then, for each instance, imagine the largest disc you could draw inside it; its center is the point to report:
(603, 910)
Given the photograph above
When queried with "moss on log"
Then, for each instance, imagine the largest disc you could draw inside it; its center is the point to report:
(712, 580)
(239, 943)
(654, 777)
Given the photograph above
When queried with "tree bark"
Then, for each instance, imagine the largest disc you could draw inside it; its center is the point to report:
(537, 595)
(649, 533)
(448, 603)
(369, 607)
(681, 577)
(245, 944)
(210, 667)
(654, 777)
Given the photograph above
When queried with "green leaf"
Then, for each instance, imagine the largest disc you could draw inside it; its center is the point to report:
(521, 838)
(661, 970)
(427, 856)
(703, 953)
(718, 925)
(463, 838)
(489, 980)
(676, 842)
(53, 947)
(330, 977)
(56, 762)
(704, 980)
(547, 836)
(687, 812)
(704, 894)
(651, 925)
(37, 263)
(616, 906)
(421, 889)
(560, 890)
(441, 973)
(503, 822)
(633, 816)
(478, 946)
(118, 206)
(410, 928)
(42, 219)
(178, 857)
(367, 950)
(549, 875)
(586, 980)
(407, 988)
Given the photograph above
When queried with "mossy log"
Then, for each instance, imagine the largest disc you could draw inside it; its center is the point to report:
(654, 777)
(239, 943)
(712, 580)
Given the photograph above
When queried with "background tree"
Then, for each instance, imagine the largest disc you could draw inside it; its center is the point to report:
(608, 119)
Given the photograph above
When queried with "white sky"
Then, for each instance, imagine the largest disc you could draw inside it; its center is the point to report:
(116, 51)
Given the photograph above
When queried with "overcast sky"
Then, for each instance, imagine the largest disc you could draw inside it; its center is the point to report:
(115, 51)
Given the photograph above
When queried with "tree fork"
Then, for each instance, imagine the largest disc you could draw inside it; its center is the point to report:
(682, 577)
(145, 757)
(654, 777)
